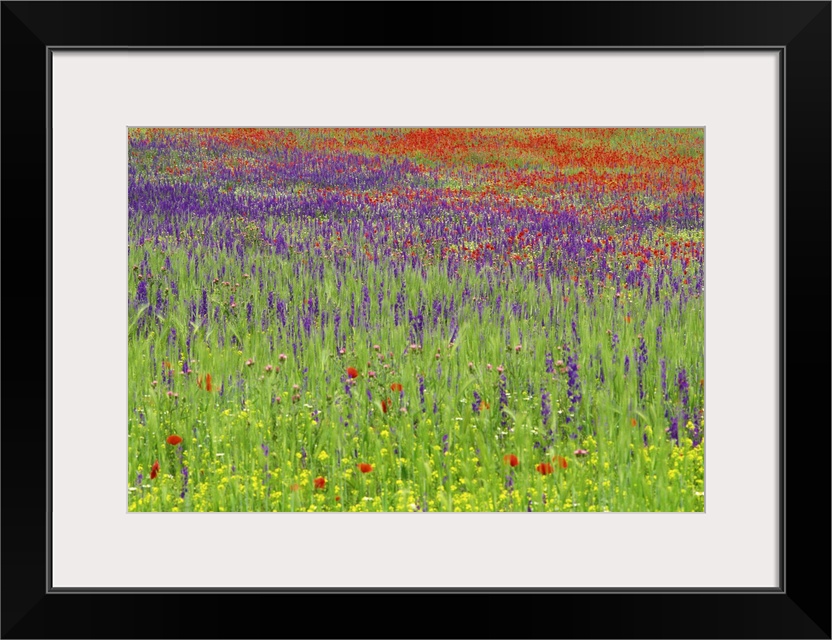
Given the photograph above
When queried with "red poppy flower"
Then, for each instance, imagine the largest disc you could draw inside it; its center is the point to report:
(396, 386)
(295, 487)
(627, 318)
(561, 461)
(633, 422)
(174, 439)
(154, 471)
(363, 467)
(511, 459)
(337, 498)
(320, 482)
(545, 468)
(385, 404)
(352, 372)
(208, 382)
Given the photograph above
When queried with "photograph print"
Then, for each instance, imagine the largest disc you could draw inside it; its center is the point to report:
(416, 320)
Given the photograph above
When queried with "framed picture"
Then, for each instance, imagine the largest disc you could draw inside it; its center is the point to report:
(728, 103)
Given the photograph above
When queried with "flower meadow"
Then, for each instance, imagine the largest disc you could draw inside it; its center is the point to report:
(423, 320)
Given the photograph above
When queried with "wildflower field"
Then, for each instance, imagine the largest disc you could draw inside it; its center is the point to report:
(416, 320)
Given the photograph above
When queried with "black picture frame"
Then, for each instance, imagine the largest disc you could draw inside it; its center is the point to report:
(799, 608)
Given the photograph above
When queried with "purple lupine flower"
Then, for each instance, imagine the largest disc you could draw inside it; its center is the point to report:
(509, 482)
(684, 393)
(139, 478)
(545, 406)
(682, 382)
(641, 362)
(184, 482)
(475, 405)
(445, 443)
(673, 430)
(365, 299)
(503, 399)
(696, 433)
(265, 449)
(141, 292)
(203, 305)
(550, 363)
(626, 365)
(574, 385)
(658, 335)
(642, 353)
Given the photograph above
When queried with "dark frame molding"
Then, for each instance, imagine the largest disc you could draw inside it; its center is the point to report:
(800, 31)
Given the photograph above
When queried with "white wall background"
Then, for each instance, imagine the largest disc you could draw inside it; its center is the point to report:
(98, 95)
